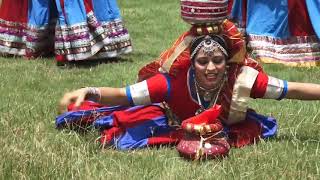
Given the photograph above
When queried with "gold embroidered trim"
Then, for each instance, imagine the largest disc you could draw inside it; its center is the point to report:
(180, 48)
(241, 94)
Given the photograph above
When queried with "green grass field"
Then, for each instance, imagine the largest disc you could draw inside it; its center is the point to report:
(31, 147)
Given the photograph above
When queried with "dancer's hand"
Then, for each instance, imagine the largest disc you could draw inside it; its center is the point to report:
(78, 97)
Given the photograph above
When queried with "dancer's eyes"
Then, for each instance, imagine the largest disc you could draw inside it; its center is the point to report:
(218, 60)
(215, 60)
(202, 61)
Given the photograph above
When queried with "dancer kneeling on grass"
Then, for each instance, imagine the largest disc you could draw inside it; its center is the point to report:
(207, 100)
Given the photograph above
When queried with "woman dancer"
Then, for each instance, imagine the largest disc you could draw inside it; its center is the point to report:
(209, 81)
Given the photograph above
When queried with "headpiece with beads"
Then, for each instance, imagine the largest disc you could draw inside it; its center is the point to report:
(208, 43)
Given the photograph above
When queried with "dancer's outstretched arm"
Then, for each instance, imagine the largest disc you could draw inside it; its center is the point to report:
(303, 91)
(104, 95)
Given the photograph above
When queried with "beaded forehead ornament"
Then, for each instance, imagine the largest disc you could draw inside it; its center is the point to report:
(208, 45)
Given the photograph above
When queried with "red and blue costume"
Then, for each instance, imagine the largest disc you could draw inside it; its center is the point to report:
(72, 30)
(140, 126)
(146, 123)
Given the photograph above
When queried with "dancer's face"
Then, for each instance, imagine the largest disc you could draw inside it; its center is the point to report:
(209, 67)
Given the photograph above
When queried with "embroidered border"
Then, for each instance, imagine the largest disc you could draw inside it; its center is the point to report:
(275, 88)
(294, 51)
(241, 94)
(106, 39)
(139, 93)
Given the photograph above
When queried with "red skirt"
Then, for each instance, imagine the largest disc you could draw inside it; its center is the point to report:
(13, 26)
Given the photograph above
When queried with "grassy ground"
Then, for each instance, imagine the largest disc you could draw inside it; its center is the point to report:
(31, 147)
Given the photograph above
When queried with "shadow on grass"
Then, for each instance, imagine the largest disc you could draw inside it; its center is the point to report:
(129, 58)
(93, 63)
(302, 138)
(82, 130)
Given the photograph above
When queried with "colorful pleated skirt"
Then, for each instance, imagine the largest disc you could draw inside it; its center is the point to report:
(128, 128)
(281, 31)
(71, 30)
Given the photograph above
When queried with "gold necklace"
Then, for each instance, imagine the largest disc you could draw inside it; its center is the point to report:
(213, 100)
(207, 96)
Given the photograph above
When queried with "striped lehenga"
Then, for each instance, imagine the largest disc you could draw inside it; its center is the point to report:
(72, 30)
(281, 31)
